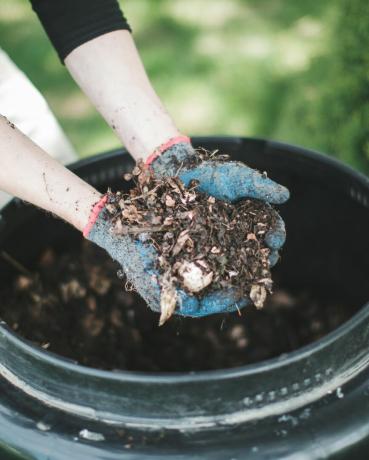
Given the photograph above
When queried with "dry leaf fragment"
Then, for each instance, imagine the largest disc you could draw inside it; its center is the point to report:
(181, 241)
(110, 208)
(188, 197)
(155, 220)
(169, 202)
(258, 295)
(267, 282)
(119, 228)
(143, 178)
(174, 184)
(130, 212)
(161, 261)
(203, 264)
(122, 204)
(181, 215)
(168, 298)
(265, 252)
(168, 221)
(168, 236)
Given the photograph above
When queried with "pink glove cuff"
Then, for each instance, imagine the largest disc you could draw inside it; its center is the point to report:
(163, 147)
(94, 215)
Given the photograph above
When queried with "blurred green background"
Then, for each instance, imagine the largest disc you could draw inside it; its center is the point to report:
(283, 69)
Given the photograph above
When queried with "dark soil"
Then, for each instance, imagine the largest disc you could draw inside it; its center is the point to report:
(203, 244)
(75, 306)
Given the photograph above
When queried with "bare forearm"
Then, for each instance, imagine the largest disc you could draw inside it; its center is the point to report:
(109, 70)
(29, 173)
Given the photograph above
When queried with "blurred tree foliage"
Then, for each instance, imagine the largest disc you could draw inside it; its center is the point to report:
(327, 107)
(295, 71)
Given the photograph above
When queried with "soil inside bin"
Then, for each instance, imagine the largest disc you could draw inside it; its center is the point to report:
(74, 305)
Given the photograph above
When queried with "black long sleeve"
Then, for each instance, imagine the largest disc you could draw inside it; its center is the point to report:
(70, 23)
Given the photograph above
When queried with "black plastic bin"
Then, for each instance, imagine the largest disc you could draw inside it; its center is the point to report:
(311, 403)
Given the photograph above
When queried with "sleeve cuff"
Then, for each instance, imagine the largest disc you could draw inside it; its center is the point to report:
(70, 23)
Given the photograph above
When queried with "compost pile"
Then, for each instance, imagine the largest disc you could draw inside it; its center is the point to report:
(204, 244)
(69, 301)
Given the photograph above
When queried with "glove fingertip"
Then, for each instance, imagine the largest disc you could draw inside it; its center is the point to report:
(273, 258)
(276, 237)
(280, 195)
(253, 184)
(269, 190)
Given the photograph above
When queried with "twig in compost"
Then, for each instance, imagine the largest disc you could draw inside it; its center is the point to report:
(15, 264)
(138, 230)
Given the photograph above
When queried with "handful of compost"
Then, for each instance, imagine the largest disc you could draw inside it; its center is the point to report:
(203, 244)
(196, 234)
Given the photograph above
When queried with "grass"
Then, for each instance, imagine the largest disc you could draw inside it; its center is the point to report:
(220, 66)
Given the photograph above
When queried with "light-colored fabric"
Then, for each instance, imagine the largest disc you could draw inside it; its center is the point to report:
(24, 105)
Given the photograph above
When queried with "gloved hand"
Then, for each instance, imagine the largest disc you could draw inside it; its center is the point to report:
(229, 181)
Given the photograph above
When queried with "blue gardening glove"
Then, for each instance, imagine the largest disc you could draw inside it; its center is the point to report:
(228, 181)
(138, 258)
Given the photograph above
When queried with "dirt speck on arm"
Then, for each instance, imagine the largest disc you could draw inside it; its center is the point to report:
(46, 186)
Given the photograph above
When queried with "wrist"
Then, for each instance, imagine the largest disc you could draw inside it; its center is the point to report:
(94, 214)
(181, 139)
(166, 157)
(170, 156)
